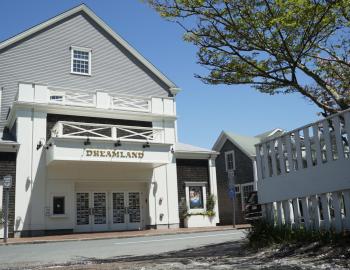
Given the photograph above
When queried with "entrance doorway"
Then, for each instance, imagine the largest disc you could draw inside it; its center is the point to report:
(102, 211)
(126, 211)
(91, 211)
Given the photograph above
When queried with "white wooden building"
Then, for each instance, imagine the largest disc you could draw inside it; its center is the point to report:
(89, 133)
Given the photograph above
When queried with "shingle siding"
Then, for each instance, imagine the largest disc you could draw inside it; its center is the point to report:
(243, 173)
(45, 58)
(190, 170)
(8, 167)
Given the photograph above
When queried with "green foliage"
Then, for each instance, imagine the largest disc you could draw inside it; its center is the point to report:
(263, 234)
(209, 209)
(277, 46)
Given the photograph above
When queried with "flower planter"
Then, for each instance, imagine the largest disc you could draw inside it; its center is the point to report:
(199, 221)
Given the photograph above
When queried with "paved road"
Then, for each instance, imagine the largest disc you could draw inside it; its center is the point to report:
(31, 255)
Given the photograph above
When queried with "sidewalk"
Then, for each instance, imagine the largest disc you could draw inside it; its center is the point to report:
(114, 235)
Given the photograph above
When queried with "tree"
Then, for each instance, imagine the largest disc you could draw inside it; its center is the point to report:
(277, 46)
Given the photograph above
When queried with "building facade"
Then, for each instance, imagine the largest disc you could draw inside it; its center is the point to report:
(237, 160)
(89, 133)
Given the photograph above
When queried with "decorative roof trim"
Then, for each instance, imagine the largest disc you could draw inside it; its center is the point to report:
(104, 26)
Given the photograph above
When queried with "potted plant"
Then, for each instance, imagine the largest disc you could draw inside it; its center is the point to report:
(203, 218)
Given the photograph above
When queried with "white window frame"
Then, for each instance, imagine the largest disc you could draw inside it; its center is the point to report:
(238, 189)
(204, 191)
(65, 205)
(242, 192)
(233, 160)
(76, 48)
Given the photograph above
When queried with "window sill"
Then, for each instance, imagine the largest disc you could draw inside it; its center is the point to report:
(59, 216)
(81, 74)
(196, 211)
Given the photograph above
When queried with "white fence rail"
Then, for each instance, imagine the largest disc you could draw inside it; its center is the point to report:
(77, 130)
(89, 99)
(312, 145)
(304, 175)
(318, 212)
(72, 97)
(128, 103)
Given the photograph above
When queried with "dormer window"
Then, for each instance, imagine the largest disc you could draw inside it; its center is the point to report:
(81, 61)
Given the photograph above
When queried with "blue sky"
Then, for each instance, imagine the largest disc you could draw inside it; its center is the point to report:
(203, 110)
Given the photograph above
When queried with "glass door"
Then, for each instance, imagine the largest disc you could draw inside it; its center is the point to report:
(119, 211)
(91, 211)
(99, 212)
(134, 210)
(126, 211)
(83, 211)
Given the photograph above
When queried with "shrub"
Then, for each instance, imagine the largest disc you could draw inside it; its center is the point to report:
(263, 234)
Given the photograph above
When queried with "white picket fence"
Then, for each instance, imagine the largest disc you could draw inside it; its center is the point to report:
(304, 175)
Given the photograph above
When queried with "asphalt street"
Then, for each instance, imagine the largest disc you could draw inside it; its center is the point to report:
(60, 253)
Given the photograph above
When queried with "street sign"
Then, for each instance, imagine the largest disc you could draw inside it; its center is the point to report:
(7, 183)
(232, 193)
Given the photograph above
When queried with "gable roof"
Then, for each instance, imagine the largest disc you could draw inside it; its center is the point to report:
(83, 8)
(245, 143)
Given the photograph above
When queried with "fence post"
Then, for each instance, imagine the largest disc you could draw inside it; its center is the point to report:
(287, 213)
(325, 211)
(315, 212)
(337, 211)
(296, 211)
(279, 213)
(306, 213)
(346, 195)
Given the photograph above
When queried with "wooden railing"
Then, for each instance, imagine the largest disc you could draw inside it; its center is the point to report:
(131, 103)
(91, 99)
(77, 130)
(72, 97)
(312, 145)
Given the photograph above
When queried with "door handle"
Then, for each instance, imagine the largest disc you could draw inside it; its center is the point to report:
(126, 210)
(91, 211)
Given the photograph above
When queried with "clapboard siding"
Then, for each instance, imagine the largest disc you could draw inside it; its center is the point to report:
(45, 58)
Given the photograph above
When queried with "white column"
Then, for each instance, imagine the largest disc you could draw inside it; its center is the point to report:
(38, 194)
(255, 174)
(152, 191)
(166, 207)
(213, 186)
(172, 194)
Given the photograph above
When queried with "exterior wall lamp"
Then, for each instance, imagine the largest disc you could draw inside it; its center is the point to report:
(39, 145)
(48, 146)
(118, 143)
(146, 145)
(87, 142)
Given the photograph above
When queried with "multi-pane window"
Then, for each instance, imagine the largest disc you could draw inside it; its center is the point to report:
(230, 161)
(81, 61)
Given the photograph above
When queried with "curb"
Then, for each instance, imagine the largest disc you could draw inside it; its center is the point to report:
(115, 237)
